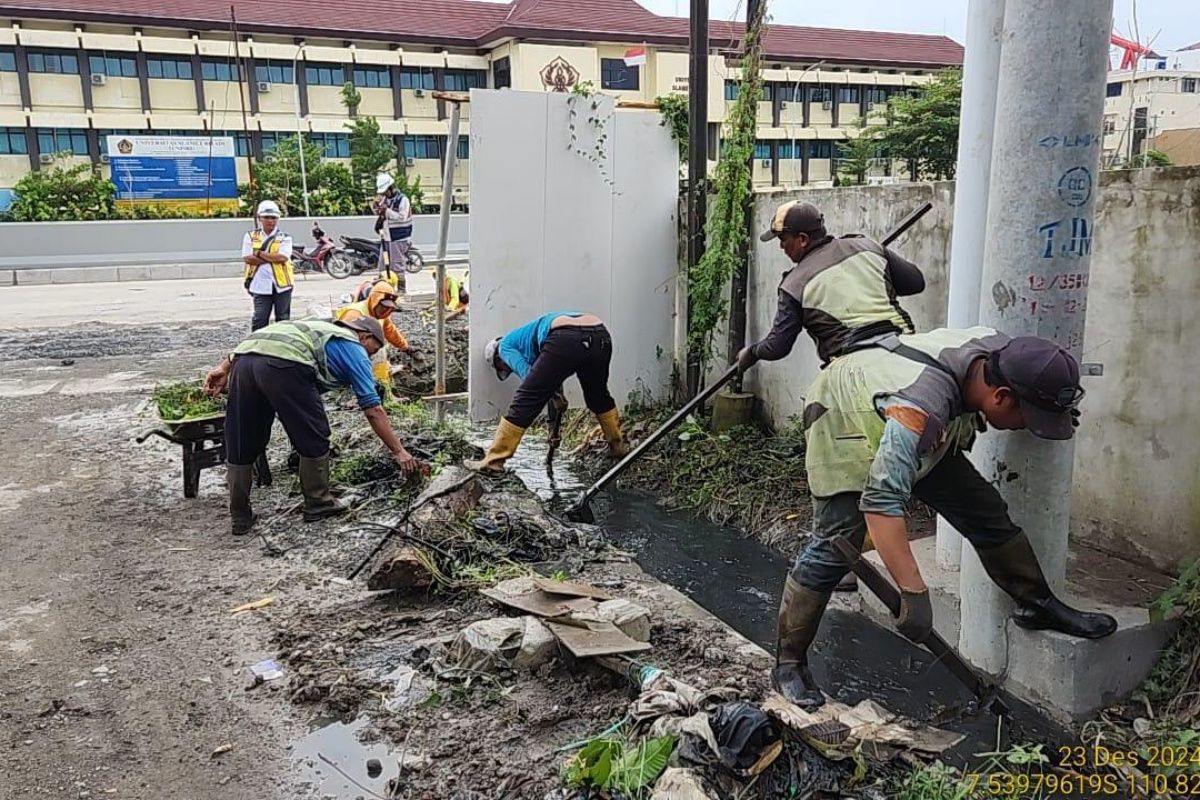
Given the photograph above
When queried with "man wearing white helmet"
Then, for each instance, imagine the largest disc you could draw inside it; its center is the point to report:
(395, 225)
(269, 276)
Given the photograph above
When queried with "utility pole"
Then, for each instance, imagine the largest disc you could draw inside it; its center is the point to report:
(697, 193)
(1044, 178)
(299, 128)
(242, 89)
(981, 68)
(737, 289)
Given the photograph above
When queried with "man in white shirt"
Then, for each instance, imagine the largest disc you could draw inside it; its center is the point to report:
(269, 276)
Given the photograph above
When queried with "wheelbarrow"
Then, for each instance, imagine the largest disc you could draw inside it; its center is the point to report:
(203, 443)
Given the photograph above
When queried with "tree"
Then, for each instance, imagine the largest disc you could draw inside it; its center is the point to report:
(372, 152)
(63, 193)
(922, 127)
(855, 157)
(331, 187)
(1151, 158)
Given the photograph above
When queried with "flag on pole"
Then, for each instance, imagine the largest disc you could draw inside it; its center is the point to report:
(635, 56)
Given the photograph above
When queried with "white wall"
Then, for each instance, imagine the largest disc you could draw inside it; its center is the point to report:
(553, 230)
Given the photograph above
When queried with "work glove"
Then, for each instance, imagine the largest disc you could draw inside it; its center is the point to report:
(746, 359)
(916, 616)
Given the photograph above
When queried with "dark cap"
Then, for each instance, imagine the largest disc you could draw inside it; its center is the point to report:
(366, 325)
(1045, 378)
(795, 217)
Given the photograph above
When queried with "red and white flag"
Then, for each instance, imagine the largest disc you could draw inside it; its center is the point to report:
(635, 56)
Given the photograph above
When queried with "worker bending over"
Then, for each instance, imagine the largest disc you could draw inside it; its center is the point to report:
(454, 296)
(282, 370)
(380, 303)
(544, 353)
(889, 422)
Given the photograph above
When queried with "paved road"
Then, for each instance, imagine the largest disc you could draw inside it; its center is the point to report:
(146, 302)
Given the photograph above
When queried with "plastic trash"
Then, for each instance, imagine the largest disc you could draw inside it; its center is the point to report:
(743, 733)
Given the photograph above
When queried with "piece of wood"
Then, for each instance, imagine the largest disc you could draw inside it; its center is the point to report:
(571, 588)
(452, 97)
(597, 639)
(539, 603)
(402, 571)
(257, 604)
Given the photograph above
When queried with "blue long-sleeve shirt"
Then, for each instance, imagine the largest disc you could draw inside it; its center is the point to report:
(349, 363)
(520, 347)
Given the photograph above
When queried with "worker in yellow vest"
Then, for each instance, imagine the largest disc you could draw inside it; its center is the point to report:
(269, 276)
(379, 304)
(455, 297)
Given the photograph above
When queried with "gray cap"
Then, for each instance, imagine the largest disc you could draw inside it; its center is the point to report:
(797, 216)
(1045, 378)
(366, 325)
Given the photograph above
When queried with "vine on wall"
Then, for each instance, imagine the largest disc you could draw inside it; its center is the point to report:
(584, 99)
(727, 231)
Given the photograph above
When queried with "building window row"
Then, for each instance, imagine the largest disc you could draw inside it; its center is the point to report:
(212, 69)
(12, 142)
(333, 145)
(113, 66)
(8, 60)
(53, 63)
(159, 67)
(817, 93)
(792, 149)
(416, 78)
(423, 146)
(62, 140)
(462, 80)
(268, 71)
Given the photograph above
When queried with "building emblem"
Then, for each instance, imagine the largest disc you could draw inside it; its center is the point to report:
(125, 147)
(559, 75)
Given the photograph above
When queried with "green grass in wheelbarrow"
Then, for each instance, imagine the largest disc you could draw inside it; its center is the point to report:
(185, 400)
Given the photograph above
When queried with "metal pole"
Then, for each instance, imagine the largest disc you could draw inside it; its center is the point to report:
(697, 158)
(1045, 162)
(439, 381)
(299, 132)
(737, 286)
(242, 89)
(981, 68)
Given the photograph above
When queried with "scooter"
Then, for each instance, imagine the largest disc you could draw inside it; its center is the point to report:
(327, 257)
(364, 254)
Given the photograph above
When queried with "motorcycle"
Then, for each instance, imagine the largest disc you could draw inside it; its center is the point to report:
(364, 254)
(326, 257)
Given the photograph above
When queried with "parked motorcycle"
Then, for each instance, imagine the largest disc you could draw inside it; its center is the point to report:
(364, 254)
(326, 257)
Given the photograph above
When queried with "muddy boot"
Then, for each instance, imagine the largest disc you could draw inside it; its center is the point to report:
(239, 478)
(504, 445)
(1015, 569)
(319, 502)
(610, 425)
(799, 617)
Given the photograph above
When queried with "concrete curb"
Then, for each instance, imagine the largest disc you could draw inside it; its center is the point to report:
(158, 272)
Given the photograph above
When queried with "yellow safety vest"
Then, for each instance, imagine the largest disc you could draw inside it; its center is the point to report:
(283, 274)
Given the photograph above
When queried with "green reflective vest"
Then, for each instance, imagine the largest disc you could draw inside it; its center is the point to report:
(843, 426)
(303, 342)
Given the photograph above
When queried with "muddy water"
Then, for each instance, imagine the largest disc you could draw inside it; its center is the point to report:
(339, 742)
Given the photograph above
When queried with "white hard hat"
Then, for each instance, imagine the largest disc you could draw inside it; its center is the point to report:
(383, 182)
(489, 354)
(268, 208)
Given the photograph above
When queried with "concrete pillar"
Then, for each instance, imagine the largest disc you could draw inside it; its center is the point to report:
(1045, 161)
(981, 68)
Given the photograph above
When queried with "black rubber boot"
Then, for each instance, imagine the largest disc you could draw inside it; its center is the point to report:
(239, 478)
(800, 614)
(1015, 569)
(319, 502)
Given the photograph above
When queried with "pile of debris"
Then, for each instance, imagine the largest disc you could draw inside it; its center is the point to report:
(413, 373)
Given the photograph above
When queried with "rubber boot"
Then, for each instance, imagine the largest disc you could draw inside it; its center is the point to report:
(239, 478)
(1015, 569)
(800, 614)
(610, 425)
(504, 445)
(319, 502)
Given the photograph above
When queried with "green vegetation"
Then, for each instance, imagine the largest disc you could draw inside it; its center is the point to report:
(331, 187)
(63, 193)
(612, 763)
(921, 126)
(185, 400)
(854, 159)
(674, 110)
(1151, 158)
(1174, 685)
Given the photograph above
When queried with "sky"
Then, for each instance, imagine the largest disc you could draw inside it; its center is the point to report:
(1170, 24)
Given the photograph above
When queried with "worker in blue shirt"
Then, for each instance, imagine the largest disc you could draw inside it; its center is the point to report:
(281, 370)
(544, 353)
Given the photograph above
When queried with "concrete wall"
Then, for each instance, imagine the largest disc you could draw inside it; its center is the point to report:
(554, 230)
(1137, 461)
(30, 245)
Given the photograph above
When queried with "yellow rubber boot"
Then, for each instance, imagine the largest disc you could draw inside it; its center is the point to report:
(504, 445)
(610, 424)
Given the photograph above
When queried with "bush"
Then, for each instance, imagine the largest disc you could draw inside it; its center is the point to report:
(63, 193)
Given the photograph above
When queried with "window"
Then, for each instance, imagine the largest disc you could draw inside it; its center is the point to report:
(615, 74)
(462, 80)
(61, 140)
(113, 66)
(1187, 85)
(732, 90)
(771, 89)
(788, 149)
(169, 68)
(335, 145)
(464, 148)
(53, 62)
(241, 142)
(820, 94)
(324, 75)
(416, 78)
(12, 142)
(274, 71)
(422, 147)
(373, 77)
(762, 150)
(877, 95)
(269, 140)
(820, 149)
(1114, 90)
(847, 94)
(8, 61)
(1110, 124)
(213, 70)
(502, 73)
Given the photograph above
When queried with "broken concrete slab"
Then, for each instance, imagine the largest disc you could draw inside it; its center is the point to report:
(595, 639)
